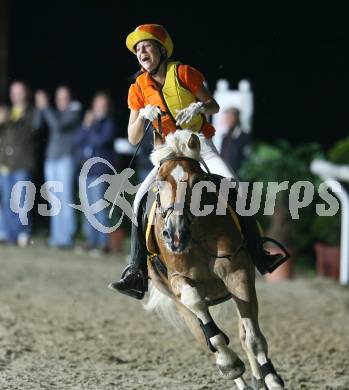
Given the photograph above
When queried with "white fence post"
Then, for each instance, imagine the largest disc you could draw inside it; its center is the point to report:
(241, 98)
(328, 171)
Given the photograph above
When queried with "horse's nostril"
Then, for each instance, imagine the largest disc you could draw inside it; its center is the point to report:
(186, 235)
(166, 234)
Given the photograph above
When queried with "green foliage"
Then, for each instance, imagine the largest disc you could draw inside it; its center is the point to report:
(327, 229)
(302, 236)
(339, 153)
(283, 162)
(280, 162)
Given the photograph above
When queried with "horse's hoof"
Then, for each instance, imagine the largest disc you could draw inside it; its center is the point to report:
(232, 371)
(274, 386)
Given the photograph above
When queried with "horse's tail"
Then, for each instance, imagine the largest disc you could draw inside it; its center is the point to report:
(163, 305)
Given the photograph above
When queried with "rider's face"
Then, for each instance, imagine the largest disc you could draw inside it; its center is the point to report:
(148, 55)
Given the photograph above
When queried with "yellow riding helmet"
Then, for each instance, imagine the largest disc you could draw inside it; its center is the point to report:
(150, 32)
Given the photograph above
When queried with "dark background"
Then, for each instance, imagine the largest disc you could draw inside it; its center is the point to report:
(296, 59)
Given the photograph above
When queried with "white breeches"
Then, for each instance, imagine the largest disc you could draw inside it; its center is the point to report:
(209, 154)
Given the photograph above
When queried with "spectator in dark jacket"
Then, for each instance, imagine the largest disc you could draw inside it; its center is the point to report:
(59, 160)
(17, 163)
(236, 142)
(95, 138)
(4, 117)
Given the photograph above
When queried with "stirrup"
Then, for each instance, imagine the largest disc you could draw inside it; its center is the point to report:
(279, 260)
(137, 294)
(134, 293)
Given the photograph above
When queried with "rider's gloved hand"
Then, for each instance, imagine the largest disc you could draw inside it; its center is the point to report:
(187, 114)
(149, 112)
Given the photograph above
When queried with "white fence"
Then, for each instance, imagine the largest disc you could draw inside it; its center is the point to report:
(333, 173)
(241, 98)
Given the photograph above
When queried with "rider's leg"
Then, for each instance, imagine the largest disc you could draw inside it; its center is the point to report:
(214, 161)
(134, 278)
(264, 261)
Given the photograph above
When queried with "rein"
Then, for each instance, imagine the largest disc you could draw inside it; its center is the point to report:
(160, 132)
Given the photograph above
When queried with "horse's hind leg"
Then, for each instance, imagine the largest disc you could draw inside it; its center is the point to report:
(258, 382)
(240, 282)
(227, 361)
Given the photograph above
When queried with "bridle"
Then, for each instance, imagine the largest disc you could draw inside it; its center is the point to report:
(166, 212)
(188, 215)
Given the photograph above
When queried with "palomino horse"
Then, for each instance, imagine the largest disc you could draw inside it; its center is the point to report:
(202, 260)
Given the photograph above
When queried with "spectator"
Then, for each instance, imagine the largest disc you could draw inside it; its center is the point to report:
(236, 142)
(95, 138)
(17, 161)
(4, 115)
(59, 161)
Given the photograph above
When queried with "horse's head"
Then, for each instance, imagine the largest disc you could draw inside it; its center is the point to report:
(179, 170)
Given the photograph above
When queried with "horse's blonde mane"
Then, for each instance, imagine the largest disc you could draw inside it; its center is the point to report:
(176, 144)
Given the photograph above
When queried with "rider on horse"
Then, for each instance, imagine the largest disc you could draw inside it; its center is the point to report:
(177, 93)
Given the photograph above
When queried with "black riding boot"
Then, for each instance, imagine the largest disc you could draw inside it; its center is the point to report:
(134, 279)
(263, 260)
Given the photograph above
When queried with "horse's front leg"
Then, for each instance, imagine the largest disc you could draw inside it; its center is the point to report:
(227, 361)
(239, 278)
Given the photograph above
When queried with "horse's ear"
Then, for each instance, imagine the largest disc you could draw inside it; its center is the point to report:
(194, 142)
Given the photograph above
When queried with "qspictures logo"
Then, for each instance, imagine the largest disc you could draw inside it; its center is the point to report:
(119, 189)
